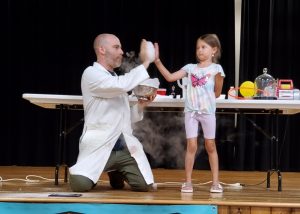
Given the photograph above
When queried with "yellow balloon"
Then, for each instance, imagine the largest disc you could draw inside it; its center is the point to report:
(247, 89)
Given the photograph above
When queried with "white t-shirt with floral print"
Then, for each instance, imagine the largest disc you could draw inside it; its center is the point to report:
(200, 95)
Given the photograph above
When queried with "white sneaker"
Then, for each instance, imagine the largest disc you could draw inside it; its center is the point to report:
(187, 187)
(216, 188)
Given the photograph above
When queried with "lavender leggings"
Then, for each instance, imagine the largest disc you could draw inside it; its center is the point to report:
(208, 124)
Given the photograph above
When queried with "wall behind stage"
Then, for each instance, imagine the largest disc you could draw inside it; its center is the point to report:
(48, 44)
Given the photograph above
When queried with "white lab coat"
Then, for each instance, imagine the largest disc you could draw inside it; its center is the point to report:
(107, 115)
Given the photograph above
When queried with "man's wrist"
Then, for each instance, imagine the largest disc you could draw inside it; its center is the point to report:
(146, 64)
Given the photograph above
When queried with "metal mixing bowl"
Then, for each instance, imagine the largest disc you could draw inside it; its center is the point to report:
(144, 92)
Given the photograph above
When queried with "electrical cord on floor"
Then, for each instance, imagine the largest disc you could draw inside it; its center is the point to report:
(233, 185)
(27, 179)
(247, 185)
(229, 185)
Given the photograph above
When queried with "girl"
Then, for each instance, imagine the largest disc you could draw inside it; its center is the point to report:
(205, 82)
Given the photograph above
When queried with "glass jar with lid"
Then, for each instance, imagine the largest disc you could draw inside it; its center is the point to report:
(265, 86)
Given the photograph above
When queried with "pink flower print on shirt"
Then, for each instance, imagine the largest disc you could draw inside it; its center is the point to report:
(196, 81)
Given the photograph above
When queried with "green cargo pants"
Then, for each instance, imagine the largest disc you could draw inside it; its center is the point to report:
(121, 167)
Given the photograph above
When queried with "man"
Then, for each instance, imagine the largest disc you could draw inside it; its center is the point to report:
(107, 143)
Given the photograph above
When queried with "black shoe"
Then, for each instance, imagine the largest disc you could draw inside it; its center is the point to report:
(116, 179)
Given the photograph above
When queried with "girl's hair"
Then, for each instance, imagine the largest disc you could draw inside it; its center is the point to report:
(213, 41)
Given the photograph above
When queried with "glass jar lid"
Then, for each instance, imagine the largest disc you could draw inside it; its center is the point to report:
(265, 86)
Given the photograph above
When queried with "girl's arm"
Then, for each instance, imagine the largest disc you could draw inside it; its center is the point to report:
(170, 77)
(218, 84)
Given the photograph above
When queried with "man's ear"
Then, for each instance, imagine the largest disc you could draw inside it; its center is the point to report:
(101, 50)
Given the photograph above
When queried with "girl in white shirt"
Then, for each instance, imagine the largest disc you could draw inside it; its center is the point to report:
(205, 82)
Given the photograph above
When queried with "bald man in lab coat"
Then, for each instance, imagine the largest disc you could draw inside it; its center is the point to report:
(107, 142)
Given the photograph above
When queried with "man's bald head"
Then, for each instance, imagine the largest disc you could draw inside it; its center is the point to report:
(102, 40)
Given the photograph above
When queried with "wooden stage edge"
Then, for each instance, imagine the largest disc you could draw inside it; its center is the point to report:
(35, 184)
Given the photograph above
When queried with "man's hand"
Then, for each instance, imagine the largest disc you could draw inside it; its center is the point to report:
(147, 53)
(143, 103)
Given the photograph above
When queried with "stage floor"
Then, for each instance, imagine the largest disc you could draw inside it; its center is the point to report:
(40, 184)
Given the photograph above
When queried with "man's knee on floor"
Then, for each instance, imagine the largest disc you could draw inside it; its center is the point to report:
(79, 183)
(141, 187)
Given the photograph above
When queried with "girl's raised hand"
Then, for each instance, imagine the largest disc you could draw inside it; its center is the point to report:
(156, 47)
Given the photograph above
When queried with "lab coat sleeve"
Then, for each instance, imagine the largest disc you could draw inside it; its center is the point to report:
(104, 85)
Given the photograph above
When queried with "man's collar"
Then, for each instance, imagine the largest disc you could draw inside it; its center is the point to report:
(100, 67)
